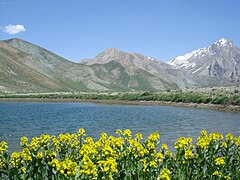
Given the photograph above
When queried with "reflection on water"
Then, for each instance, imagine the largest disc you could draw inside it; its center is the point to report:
(34, 119)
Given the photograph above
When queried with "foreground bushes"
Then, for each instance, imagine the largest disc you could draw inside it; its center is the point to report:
(75, 156)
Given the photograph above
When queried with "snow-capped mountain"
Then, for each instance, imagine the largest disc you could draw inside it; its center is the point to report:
(220, 60)
(26, 67)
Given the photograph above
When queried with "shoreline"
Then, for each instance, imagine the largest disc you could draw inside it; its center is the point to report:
(216, 107)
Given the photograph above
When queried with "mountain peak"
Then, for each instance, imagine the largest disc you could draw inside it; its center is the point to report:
(111, 50)
(223, 42)
(15, 40)
(19, 43)
(190, 59)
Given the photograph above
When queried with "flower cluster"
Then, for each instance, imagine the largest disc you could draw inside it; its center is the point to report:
(76, 156)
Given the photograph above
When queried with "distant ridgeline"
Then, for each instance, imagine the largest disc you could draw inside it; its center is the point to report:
(26, 67)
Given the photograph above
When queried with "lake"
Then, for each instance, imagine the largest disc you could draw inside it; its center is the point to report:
(33, 119)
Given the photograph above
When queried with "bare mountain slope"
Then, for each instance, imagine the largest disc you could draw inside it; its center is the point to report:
(26, 67)
(221, 60)
(69, 76)
(158, 75)
(16, 76)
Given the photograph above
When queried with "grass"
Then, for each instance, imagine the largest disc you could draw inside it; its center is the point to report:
(220, 96)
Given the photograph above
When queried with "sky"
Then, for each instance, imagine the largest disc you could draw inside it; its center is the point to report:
(79, 29)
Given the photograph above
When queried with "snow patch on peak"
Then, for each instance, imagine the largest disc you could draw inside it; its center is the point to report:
(151, 58)
(183, 61)
(222, 42)
(191, 59)
(197, 70)
(184, 64)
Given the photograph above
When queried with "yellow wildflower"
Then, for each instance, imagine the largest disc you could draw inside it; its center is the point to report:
(216, 173)
(204, 133)
(229, 138)
(119, 131)
(56, 143)
(220, 161)
(159, 156)
(153, 164)
(103, 137)
(67, 166)
(81, 132)
(24, 141)
(203, 142)
(144, 164)
(74, 136)
(65, 139)
(184, 143)
(154, 136)
(151, 145)
(44, 140)
(224, 144)
(39, 155)
(215, 137)
(127, 133)
(169, 153)
(3, 147)
(165, 174)
(23, 170)
(237, 141)
(15, 159)
(88, 167)
(164, 146)
(188, 154)
(34, 144)
(138, 136)
(119, 142)
(226, 177)
(1, 164)
(26, 155)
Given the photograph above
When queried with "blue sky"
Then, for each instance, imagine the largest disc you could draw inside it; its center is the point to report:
(77, 29)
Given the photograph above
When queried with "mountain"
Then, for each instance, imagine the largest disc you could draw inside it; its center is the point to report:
(16, 76)
(221, 60)
(131, 61)
(25, 67)
(157, 75)
(64, 75)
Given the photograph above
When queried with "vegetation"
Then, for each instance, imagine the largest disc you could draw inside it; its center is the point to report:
(75, 156)
(223, 96)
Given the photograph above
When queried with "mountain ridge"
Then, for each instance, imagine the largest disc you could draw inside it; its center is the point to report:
(111, 70)
(220, 60)
(78, 77)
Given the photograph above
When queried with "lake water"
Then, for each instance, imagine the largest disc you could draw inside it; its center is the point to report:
(34, 119)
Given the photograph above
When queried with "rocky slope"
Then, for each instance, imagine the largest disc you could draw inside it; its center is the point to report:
(16, 76)
(68, 76)
(221, 60)
(25, 67)
(158, 75)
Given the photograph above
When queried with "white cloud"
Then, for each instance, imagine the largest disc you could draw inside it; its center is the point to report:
(14, 29)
